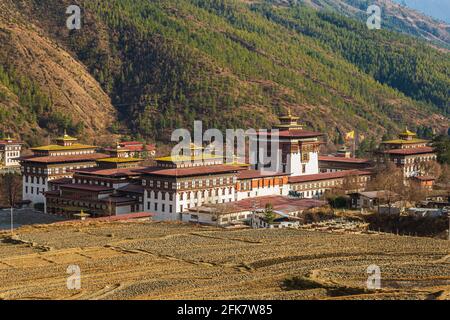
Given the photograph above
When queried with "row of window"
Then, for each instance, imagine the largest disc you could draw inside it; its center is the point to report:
(34, 190)
(329, 183)
(72, 153)
(156, 207)
(94, 182)
(11, 148)
(189, 184)
(33, 179)
(12, 154)
(58, 170)
(414, 160)
(193, 194)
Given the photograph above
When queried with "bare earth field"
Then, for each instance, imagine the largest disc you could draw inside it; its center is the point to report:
(149, 260)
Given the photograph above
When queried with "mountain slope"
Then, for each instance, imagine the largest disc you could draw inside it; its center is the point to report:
(395, 17)
(439, 9)
(235, 64)
(53, 91)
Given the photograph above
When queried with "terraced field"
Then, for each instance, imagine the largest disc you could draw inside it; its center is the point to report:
(148, 260)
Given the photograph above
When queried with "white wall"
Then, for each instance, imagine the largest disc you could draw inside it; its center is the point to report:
(182, 203)
(312, 166)
(293, 165)
(35, 196)
(264, 191)
(123, 210)
(206, 218)
(10, 156)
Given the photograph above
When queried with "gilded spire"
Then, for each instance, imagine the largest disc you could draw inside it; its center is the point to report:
(288, 121)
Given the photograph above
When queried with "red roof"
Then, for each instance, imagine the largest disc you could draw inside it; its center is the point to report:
(57, 159)
(327, 176)
(122, 200)
(255, 174)
(120, 172)
(137, 146)
(148, 147)
(87, 187)
(61, 181)
(410, 151)
(278, 202)
(133, 188)
(343, 159)
(191, 171)
(130, 143)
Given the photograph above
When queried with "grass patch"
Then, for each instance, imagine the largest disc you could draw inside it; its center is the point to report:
(301, 283)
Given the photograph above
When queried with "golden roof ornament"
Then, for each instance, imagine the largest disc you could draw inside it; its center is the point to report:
(66, 137)
(288, 122)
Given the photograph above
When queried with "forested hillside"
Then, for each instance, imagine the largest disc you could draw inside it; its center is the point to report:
(231, 63)
(394, 17)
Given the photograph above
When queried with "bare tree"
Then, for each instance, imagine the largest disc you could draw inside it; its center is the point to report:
(10, 185)
(388, 178)
(350, 184)
(430, 168)
(413, 192)
(444, 178)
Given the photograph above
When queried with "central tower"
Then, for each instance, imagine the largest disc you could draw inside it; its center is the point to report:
(298, 148)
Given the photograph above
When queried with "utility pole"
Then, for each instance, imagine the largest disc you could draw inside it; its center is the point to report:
(110, 208)
(448, 226)
(12, 221)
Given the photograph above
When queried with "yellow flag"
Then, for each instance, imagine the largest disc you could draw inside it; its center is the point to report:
(350, 135)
